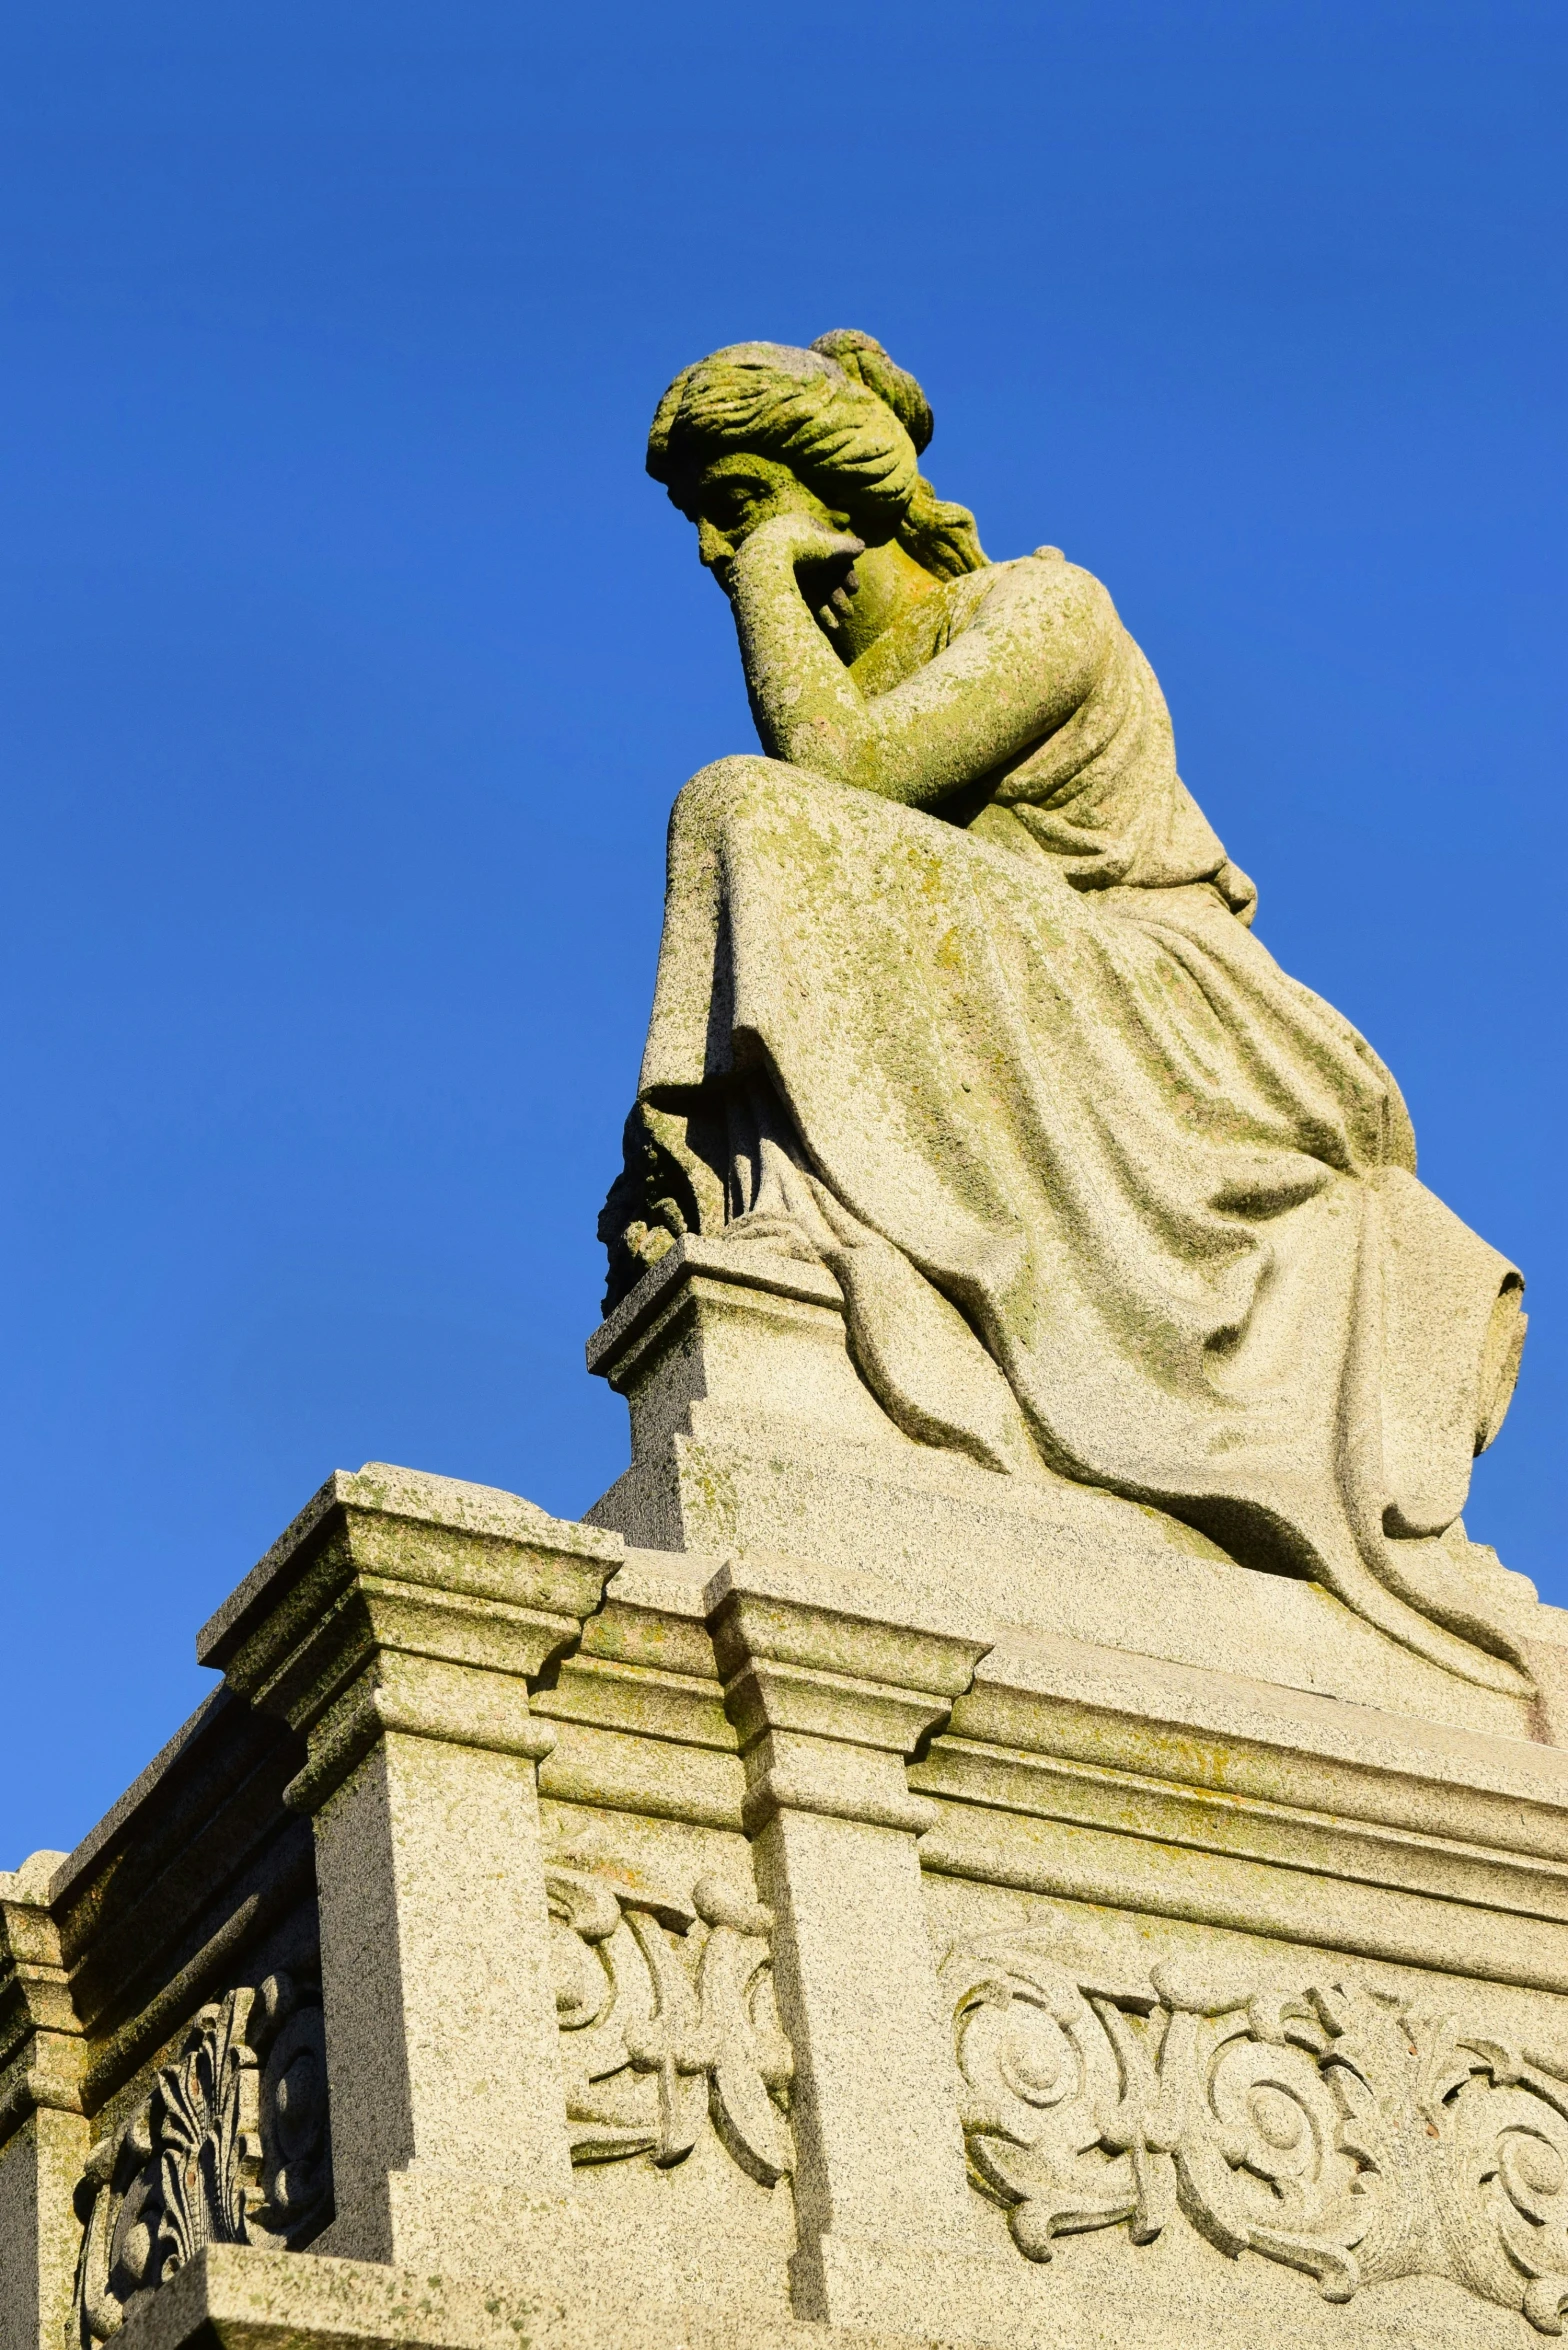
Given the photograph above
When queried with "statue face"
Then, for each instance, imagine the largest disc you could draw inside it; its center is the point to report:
(737, 493)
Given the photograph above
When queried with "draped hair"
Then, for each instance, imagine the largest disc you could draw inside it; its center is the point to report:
(842, 416)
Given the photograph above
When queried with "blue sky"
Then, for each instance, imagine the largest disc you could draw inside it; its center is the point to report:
(349, 664)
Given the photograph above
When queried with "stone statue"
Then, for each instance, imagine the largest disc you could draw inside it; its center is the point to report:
(958, 994)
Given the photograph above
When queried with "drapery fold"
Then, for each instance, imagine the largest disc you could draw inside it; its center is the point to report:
(1105, 1188)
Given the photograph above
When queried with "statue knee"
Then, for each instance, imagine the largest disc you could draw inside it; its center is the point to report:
(728, 787)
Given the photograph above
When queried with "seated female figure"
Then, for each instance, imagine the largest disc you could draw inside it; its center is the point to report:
(958, 994)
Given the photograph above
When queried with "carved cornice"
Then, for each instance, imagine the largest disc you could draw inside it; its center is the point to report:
(832, 1684)
(405, 1603)
(692, 1273)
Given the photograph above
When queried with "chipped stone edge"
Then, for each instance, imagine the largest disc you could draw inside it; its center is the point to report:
(421, 1498)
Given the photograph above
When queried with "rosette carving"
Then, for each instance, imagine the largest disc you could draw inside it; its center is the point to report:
(230, 2146)
(667, 2021)
(1337, 2128)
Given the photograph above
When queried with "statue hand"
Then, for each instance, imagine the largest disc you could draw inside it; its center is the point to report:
(797, 542)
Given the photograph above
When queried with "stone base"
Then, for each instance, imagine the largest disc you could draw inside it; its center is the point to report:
(236, 2298)
(545, 1941)
(753, 1430)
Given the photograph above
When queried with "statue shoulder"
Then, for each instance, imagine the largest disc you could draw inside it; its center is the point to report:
(1056, 594)
(1050, 570)
(1028, 607)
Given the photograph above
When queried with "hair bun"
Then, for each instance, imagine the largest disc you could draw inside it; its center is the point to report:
(863, 357)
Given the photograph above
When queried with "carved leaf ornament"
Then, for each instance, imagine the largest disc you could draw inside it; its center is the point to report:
(1340, 2130)
(667, 2020)
(230, 2146)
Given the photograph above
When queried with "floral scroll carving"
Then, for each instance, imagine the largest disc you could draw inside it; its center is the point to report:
(230, 2146)
(1340, 2129)
(667, 2021)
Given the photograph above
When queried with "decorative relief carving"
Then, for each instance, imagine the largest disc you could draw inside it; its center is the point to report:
(1340, 2130)
(230, 2146)
(667, 2019)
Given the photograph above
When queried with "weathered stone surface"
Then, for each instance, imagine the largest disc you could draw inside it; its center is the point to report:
(43, 2135)
(752, 1429)
(901, 1874)
(244, 2300)
(958, 998)
(41, 2040)
(396, 1626)
(257, 2301)
(865, 1961)
(230, 2145)
(197, 1879)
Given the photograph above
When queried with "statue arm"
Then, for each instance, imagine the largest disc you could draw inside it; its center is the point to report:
(1022, 666)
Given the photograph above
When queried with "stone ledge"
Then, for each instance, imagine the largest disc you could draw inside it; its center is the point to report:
(437, 1599)
(380, 1490)
(231, 2297)
(1094, 1796)
(1198, 1726)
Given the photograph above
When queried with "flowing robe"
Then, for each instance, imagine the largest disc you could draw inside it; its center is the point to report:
(1110, 1196)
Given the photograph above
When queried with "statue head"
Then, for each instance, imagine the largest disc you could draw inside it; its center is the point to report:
(837, 430)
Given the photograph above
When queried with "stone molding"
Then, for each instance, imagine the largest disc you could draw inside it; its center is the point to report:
(511, 2005)
(252, 1919)
(43, 2051)
(405, 1603)
(160, 1905)
(832, 1683)
(752, 1429)
(1220, 1730)
(397, 1628)
(1089, 1775)
(611, 1350)
(484, 1531)
(1063, 1764)
(442, 1698)
(236, 2297)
